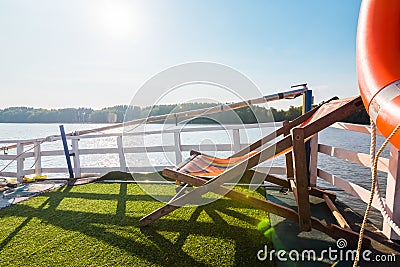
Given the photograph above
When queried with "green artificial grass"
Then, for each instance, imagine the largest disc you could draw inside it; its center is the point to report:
(97, 225)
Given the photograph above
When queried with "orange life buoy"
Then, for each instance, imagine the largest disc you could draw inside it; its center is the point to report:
(378, 63)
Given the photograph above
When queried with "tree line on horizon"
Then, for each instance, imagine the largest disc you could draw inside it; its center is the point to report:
(116, 114)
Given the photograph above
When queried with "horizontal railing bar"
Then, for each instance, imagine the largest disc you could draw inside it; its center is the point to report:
(46, 153)
(339, 125)
(353, 157)
(349, 187)
(8, 174)
(13, 157)
(199, 112)
(7, 157)
(28, 172)
(184, 129)
(354, 127)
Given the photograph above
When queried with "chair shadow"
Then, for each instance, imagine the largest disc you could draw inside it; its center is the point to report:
(161, 252)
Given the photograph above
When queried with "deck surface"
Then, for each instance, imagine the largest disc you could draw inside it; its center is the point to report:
(287, 236)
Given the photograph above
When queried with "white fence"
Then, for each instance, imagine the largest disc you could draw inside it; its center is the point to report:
(389, 165)
(35, 147)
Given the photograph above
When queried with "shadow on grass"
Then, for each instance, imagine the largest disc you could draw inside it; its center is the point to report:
(182, 238)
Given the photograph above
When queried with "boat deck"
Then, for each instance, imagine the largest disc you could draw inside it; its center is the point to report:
(287, 235)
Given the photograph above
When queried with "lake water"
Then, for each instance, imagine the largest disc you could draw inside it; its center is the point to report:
(334, 137)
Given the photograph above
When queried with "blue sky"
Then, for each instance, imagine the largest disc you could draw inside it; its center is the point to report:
(98, 53)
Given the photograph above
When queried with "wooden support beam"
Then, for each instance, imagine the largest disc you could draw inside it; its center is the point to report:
(275, 134)
(263, 204)
(302, 182)
(288, 157)
(336, 213)
(340, 113)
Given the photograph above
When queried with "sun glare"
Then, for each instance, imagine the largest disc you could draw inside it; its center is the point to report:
(120, 19)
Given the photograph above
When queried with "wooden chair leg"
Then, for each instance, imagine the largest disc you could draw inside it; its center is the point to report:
(301, 175)
(332, 230)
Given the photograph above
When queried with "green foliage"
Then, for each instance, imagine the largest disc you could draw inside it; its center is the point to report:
(115, 114)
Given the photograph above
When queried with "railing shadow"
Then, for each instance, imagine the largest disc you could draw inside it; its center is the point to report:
(162, 250)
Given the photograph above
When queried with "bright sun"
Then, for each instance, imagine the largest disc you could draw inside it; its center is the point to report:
(118, 18)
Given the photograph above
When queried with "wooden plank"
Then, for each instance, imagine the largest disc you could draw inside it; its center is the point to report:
(263, 204)
(183, 177)
(336, 213)
(314, 191)
(302, 182)
(180, 193)
(353, 157)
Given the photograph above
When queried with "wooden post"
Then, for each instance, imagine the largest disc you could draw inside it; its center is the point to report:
(393, 193)
(122, 160)
(313, 160)
(302, 182)
(288, 158)
(236, 140)
(38, 159)
(177, 143)
(77, 162)
(307, 106)
(20, 162)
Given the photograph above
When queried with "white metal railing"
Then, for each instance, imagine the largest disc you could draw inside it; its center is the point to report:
(36, 151)
(390, 165)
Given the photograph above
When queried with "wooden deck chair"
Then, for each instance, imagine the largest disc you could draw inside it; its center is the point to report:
(290, 138)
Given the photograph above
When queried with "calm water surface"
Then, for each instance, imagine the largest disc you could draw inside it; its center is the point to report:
(334, 137)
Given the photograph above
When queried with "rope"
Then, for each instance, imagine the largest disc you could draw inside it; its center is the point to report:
(381, 203)
(22, 153)
(374, 186)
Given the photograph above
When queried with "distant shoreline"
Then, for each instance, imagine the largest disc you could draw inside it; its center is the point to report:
(116, 114)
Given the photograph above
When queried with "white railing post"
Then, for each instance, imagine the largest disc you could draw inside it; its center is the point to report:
(122, 160)
(177, 143)
(313, 160)
(37, 158)
(393, 193)
(20, 162)
(77, 161)
(236, 140)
